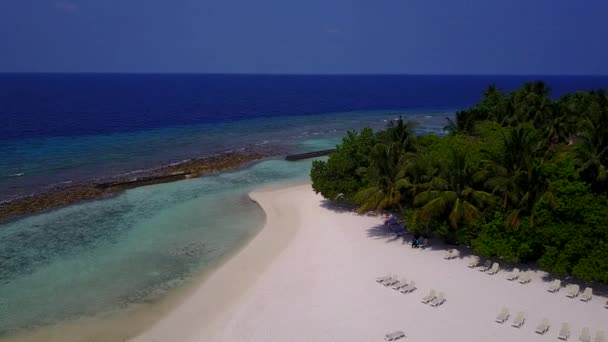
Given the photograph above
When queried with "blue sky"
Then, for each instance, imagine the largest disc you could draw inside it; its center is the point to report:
(307, 36)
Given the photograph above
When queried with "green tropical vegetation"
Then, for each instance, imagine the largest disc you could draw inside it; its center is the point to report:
(519, 176)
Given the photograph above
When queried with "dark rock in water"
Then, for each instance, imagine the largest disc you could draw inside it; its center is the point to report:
(308, 155)
(67, 195)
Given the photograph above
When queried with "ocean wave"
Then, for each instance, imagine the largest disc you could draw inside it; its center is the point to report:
(16, 174)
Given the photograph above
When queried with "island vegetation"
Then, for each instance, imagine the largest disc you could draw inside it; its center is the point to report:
(519, 176)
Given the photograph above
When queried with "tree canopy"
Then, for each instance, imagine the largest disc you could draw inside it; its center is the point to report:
(519, 176)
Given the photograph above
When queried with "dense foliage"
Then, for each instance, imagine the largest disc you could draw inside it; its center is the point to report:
(519, 176)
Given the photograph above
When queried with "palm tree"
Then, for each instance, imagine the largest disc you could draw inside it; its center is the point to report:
(464, 122)
(560, 125)
(514, 173)
(534, 191)
(452, 195)
(387, 174)
(401, 132)
(529, 103)
(592, 154)
(504, 170)
(492, 104)
(592, 142)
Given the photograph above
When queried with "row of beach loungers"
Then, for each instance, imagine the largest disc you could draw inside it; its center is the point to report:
(398, 284)
(401, 284)
(489, 267)
(543, 327)
(585, 335)
(572, 291)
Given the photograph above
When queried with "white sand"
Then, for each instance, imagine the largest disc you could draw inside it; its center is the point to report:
(309, 275)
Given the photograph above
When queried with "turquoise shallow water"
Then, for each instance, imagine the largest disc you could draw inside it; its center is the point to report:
(97, 257)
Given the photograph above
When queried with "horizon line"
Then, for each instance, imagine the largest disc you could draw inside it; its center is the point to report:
(286, 74)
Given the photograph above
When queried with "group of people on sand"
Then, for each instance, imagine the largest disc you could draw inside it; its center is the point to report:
(398, 228)
(416, 241)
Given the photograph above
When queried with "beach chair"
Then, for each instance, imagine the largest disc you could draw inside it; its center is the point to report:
(519, 320)
(494, 269)
(390, 279)
(383, 279)
(410, 288)
(543, 327)
(448, 254)
(455, 254)
(486, 266)
(424, 243)
(585, 335)
(503, 315)
(564, 331)
(513, 275)
(599, 336)
(606, 306)
(440, 299)
(587, 294)
(432, 295)
(474, 263)
(394, 336)
(573, 291)
(555, 286)
(525, 278)
(390, 282)
(400, 284)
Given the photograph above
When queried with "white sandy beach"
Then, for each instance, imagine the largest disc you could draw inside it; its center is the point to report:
(309, 275)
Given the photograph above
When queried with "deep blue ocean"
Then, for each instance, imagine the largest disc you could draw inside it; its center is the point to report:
(61, 128)
(126, 253)
(50, 105)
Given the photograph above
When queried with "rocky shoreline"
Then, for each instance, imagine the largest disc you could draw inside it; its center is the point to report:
(62, 196)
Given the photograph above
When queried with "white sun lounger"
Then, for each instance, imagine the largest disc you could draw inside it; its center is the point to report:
(503, 315)
(394, 336)
(587, 294)
(606, 306)
(474, 262)
(451, 254)
(494, 269)
(448, 254)
(555, 286)
(543, 327)
(409, 288)
(600, 337)
(525, 278)
(564, 331)
(573, 291)
(519, 320)
(383, 279)
(390, 282)
(400, 284)
(513, 275)
(439, 300)
(432, 295)
(585, 335)
(486, 266)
